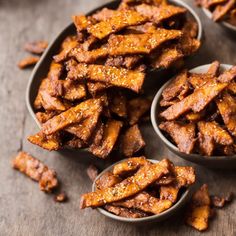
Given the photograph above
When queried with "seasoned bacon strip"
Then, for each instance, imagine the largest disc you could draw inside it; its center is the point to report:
(182, 134)
(107, 180)
(73, 90)
(103, 14)
(108, 139)
(159, 14)
(228, 75)
(140, 43)
(95, 88)
(48, 142)
(132, 141)
(36, 170)
(120, 20)
(232, 87)
(36, 47)
(146, 175)
(82, 22)
(196, 101)
(27, 62)
(221, 10)
(72, 115)
(75, 143)
(128, 62)
(211, 133)
(118, 103)
(110, 75)
(227, 108)
(42, 117)
(145, 202)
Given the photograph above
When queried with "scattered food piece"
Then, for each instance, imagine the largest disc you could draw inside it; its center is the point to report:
(36, 47)
(61, 197)
(27, 62)
(92, 172)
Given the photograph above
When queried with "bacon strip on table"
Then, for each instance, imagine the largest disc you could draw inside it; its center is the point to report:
(36, 47)
(120, 20)
(107, 180)
(28, 61)
(146, 175)
(110, 75)
(36, 170)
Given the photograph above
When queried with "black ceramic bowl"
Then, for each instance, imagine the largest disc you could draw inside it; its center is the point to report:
(41, 69)
(221, 162)
(150, 219)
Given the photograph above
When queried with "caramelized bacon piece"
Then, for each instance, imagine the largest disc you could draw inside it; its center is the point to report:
(132, 141)
(182, 134)
(72, 115)
(159, 14)
(199, 209)
(27, 62)
(36, 170)
(214, 69)
(82, 22)
(95, 88)
(120, 20)
(75, 143)
(193, 117)
(107, 180)
(227, 107)
(190, 28)
(36, 47)
(146, 175)
(137, 107)
(221, 10)
(103, 14)
(232, 87)
(48, 142)
(118, 103)
(109, 138)
(128, 62)
(124, 212)
(188, 45)
(42, 117)
(73, 90)
(110, 75)
(211, 133)
(61, 197)
(196, 101)
(145, 202)
(228, 75)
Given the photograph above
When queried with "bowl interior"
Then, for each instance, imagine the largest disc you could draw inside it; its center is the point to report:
(155, 108)
(182, 200)
(41, 69)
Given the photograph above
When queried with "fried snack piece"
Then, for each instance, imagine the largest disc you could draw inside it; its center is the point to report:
(118, 103)
(95, 88)
(221, 10)
(146, 175)
(159, 14)
(75, 143)
(137, 107)
(228, 75)
(196, 101)
(108, 139)
(211, 133)
(124, 212)
(214, 69)
(107, 180)
(92, 172)
(210, 3)
(128, 62)
(190, 28)
(48, 142)
(140, 43)
(178, 88)
(103, 14)
(232, 87)
(129, 165)
(61, 197)
(72, 115)
(193, 117)
(145, 202)
(199, 210)
(164, 103)
(188, 45)
(110, 75)
(227, 107)
(27, 62)
(82, 22)
(182, 134)
(120, 20)
(68, 44)
(36, 170)
(42, 117)
(73, 90)
(132, 141)
(36, 47)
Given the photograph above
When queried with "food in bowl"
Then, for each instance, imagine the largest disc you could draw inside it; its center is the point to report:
(137, 187)
(198, 111)
(91, 95)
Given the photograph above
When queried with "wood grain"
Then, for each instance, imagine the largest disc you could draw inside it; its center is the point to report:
(24, 210)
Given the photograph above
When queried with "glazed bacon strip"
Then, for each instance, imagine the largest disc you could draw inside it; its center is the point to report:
(72, 115)
(146, 175)
(120, 20)
(110, 75)
(36, 170)
(221, 10)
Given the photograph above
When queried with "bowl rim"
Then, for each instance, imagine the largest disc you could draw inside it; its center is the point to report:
(54, 41)
(155, 122)
(166, 213)
(226, 24)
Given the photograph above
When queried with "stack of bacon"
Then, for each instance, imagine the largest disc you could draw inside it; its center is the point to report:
(89, 96)
(200, 111)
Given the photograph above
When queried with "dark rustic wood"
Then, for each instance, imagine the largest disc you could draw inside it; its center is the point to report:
(24, 210)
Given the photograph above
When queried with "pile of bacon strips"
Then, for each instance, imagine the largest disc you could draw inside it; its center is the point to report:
(91, 95)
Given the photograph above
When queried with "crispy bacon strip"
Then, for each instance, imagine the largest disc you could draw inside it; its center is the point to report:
(110, 75)
(27, 62)
(159, 14)
(146, 175)
(221, 10)
(211, 133)
(72, 90)
(118, 103)
(72, 115)
(129, 61)
(107, 180)
(196, 101)
(182, 134)
(108, 139)
(103, 14)
(95, 88)
(227, 108)
(132, 141)
(42, 117)
(36, 47)
(120, 20)
(36, 170)
(232, 87)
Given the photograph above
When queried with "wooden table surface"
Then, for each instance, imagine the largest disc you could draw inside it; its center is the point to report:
(24, 210)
